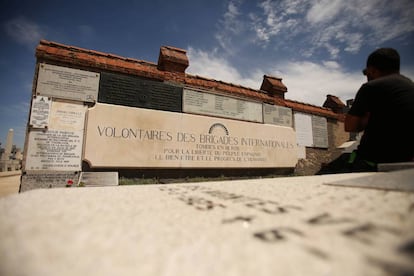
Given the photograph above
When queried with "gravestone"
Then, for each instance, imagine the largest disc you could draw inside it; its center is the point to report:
(275, 226)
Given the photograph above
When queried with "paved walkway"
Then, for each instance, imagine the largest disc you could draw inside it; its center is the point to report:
(9, 183)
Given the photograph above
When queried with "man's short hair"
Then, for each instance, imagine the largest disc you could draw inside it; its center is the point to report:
(385, 59)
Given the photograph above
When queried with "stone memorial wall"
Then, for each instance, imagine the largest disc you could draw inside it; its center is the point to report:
(150, 138)
(111, 120)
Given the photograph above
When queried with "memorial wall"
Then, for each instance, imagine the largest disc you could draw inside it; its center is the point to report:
(91, 111)
(117, 121)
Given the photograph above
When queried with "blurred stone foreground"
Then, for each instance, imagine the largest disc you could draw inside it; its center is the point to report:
(274, 226)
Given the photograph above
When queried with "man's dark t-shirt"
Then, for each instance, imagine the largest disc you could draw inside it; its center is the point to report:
(389, 135)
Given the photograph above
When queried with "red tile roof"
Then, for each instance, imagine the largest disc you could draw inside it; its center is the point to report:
(98, 61)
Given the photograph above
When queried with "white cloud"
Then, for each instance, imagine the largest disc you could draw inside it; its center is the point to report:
(307, 82)
(323, 11)
(310, 82)
(230, 26)
(24, 31)
(308, 26)
(209, 65)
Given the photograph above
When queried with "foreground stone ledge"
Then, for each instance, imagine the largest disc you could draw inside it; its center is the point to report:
(280, 226)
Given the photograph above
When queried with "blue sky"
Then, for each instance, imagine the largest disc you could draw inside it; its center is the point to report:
(316, 47)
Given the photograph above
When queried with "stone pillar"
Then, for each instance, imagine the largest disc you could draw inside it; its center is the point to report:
(8, 146)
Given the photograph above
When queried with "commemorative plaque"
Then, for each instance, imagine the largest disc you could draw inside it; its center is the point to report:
(216, 105)
(60, 146)
(67, 116)
(136, 92)
(54, 150)
(277, 115)
(39, 115)
(67, 83)
(319, 131)
(118, 136)
(303, 127)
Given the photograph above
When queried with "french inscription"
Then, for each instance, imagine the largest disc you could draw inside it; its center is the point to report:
(296, 229)
(277, 115)
(216, 105)
(54, 150)
(67, 116)
(39, 179)
(67, 83)
(303, 127)
(39, 115)
(136, 92)
(183, 140)
(319, 131)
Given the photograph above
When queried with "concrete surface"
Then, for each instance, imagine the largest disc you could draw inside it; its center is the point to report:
(281, 226)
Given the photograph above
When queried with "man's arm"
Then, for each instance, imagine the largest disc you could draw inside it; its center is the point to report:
(355, 123)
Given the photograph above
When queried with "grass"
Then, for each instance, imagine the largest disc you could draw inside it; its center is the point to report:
(147, 181)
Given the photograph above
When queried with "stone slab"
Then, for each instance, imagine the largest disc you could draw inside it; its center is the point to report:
(198, 102)
(98, 179)
(59, 147)
(54, 150)
(47, 179)
(386, 167)
(277, 115)
(125, 137)
(39, 115)
(67, 83)
(303, 128)
(280, 226)
(137, 92)
(402, 180)
(320, 132)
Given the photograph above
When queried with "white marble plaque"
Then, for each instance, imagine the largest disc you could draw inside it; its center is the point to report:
(54, 150)
(303, 127)
(141, 138)
(67, 83)
(39, 115)
(320, 131)
(216, 105)
(67, 116)
(277, 115)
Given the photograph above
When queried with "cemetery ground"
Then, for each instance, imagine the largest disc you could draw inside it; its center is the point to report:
(9, 183)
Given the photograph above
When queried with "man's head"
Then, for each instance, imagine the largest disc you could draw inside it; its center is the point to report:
(382, 62)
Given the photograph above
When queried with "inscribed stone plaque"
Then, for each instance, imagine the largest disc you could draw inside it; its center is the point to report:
(98, 179)
(67, 116)
(39, 115)
(221, 106)
(319, 131)
(54, 150)
(67, 83)
(303, 127)
(136, 92)
(141, 138)
(277, 115)
(50, 179)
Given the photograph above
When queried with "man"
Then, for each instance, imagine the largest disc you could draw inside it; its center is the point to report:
(384, 109)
